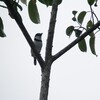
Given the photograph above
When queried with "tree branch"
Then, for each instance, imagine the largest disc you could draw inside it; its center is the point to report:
(72, 44)
(51, 30)
(24, 31)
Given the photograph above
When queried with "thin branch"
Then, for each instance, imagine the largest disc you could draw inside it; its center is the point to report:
(95, 16)
(24, 31)
(92, 14)
(3, 6)
(72, 44)
(51, 30)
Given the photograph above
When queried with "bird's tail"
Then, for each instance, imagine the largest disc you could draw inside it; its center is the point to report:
(35, 61)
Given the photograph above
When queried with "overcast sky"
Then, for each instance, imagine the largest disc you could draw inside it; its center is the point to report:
(74, 76)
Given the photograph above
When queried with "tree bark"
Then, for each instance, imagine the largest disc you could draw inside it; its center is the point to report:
(45, 81)
(48, 56)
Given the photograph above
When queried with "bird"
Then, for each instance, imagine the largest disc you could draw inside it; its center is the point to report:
(38, 45)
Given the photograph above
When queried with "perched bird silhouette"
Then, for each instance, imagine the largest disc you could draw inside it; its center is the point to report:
(38, 45)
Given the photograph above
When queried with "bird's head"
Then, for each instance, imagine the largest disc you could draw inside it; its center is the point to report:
(38, 36)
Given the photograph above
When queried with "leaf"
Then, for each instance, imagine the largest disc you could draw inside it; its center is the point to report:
(1, 24)
(92, 45)
(96, 1)
(59, 2)
(74, 18)
(33, 12)
(81, 16)
(49, 2)
(74, 12)
(89, 24)
(42, 1)
(24, 1)
(2, 34)
(91, 34)
(77, 32)
(69, 30)
(82, 45)
(91, 2)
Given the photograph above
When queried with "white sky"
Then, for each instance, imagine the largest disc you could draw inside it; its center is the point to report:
(74, 76)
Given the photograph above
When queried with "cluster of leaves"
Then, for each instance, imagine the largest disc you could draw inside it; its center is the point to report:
(78, 18)
(32, 9)
(79, 30)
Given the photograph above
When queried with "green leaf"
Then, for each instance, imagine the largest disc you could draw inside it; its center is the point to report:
(74, 12)
(1, 24)
(91, 2)
(69, 30)
(81, 17)
(89, 24)
(33, 12)
(59, 2)
(2, 34)
(49, 2)
(92, 45)
(77, 32)
(96, 1)
(43, 1)
(82, 45)
(74, 18)
(91, 34)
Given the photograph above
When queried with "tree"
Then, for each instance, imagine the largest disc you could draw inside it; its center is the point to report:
(80, 32)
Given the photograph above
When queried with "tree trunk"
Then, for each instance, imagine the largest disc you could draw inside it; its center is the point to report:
(45, 82)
